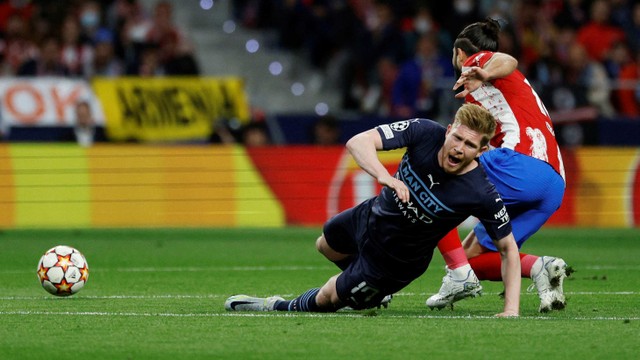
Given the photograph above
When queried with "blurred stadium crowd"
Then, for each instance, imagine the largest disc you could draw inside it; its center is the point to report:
(393, 57)
(390, 58)
(86, 38)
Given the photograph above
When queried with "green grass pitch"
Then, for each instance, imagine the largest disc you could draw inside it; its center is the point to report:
(159, 294)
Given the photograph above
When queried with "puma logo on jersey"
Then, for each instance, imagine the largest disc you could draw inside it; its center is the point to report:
(432, 182)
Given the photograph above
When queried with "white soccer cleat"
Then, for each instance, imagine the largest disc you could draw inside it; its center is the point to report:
(453, 290)
(248, 303)
(384, 303)
(558, 271)
(548, 274)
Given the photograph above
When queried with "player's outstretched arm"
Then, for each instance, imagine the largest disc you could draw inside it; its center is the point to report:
(511, 272)
(364, 147)
(499, 66)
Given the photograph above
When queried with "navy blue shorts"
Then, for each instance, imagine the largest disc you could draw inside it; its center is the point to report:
(372, 274)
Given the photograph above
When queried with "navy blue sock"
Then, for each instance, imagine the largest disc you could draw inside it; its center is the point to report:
(305, 302)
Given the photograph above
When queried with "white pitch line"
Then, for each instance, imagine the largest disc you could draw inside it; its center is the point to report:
(263, 268)
(221, 268)
(610, 267)
(113, 297)
(219, 296)
(300, 314)
(195, 269)
(536, 294)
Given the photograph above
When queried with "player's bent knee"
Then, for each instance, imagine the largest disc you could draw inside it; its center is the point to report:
(323, 248)
(321, 244)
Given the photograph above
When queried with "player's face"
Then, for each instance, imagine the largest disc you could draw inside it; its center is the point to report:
(461, 147)
(454, 60)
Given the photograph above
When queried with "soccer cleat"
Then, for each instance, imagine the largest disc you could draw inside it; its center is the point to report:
(454, 290)
(558, 271)
(548, 274)
(384, 303)
(248, 303)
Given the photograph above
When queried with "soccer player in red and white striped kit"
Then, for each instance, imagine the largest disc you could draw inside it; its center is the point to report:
(525, 166)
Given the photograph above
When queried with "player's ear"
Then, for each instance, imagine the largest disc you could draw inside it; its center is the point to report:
(482, 150)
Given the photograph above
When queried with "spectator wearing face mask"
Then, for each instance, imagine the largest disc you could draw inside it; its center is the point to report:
(90, 15)
(423, 23)
(104, 62)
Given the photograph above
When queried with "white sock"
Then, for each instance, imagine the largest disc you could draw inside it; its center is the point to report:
(461, 273)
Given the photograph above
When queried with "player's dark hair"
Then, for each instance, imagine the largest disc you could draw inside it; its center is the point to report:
(482, 35)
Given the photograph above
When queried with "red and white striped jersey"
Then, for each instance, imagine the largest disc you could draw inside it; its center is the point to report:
(524, 124)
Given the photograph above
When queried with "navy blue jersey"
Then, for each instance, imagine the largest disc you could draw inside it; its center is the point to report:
(439, 201)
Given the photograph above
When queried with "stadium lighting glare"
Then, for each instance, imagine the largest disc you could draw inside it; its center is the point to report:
(229, 26)
(206, 4)
(322, 109)
(297, 89)
(275, 68)
(252, 46)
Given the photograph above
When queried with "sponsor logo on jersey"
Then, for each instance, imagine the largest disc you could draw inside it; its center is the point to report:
(411, 211)
(432, 181)
(502, 215)
(424, 205)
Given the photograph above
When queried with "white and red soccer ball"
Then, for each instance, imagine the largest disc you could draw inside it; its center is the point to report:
(63, 270)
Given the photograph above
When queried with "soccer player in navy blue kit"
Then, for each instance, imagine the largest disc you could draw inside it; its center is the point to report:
(386, 242)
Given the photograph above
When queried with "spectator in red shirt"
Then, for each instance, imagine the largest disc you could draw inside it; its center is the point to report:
(164, 33)
(23, 9)
(17, 47)
(597, 36)
(628, 91)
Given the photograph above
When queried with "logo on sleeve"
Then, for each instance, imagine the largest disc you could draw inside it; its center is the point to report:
(400, 125)
(386, 129)
(502, 216)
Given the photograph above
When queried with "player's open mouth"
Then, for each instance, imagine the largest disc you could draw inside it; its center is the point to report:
(454, 161)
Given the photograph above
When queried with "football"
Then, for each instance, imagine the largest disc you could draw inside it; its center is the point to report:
(63, 270)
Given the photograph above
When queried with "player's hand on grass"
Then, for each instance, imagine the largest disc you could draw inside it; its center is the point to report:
(471, 79)
(397, 185)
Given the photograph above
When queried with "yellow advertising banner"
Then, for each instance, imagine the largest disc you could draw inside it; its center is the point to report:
(169, 109)
(132, 185)
(605, 186)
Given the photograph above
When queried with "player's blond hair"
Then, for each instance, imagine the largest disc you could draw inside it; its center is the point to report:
(478, 119)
